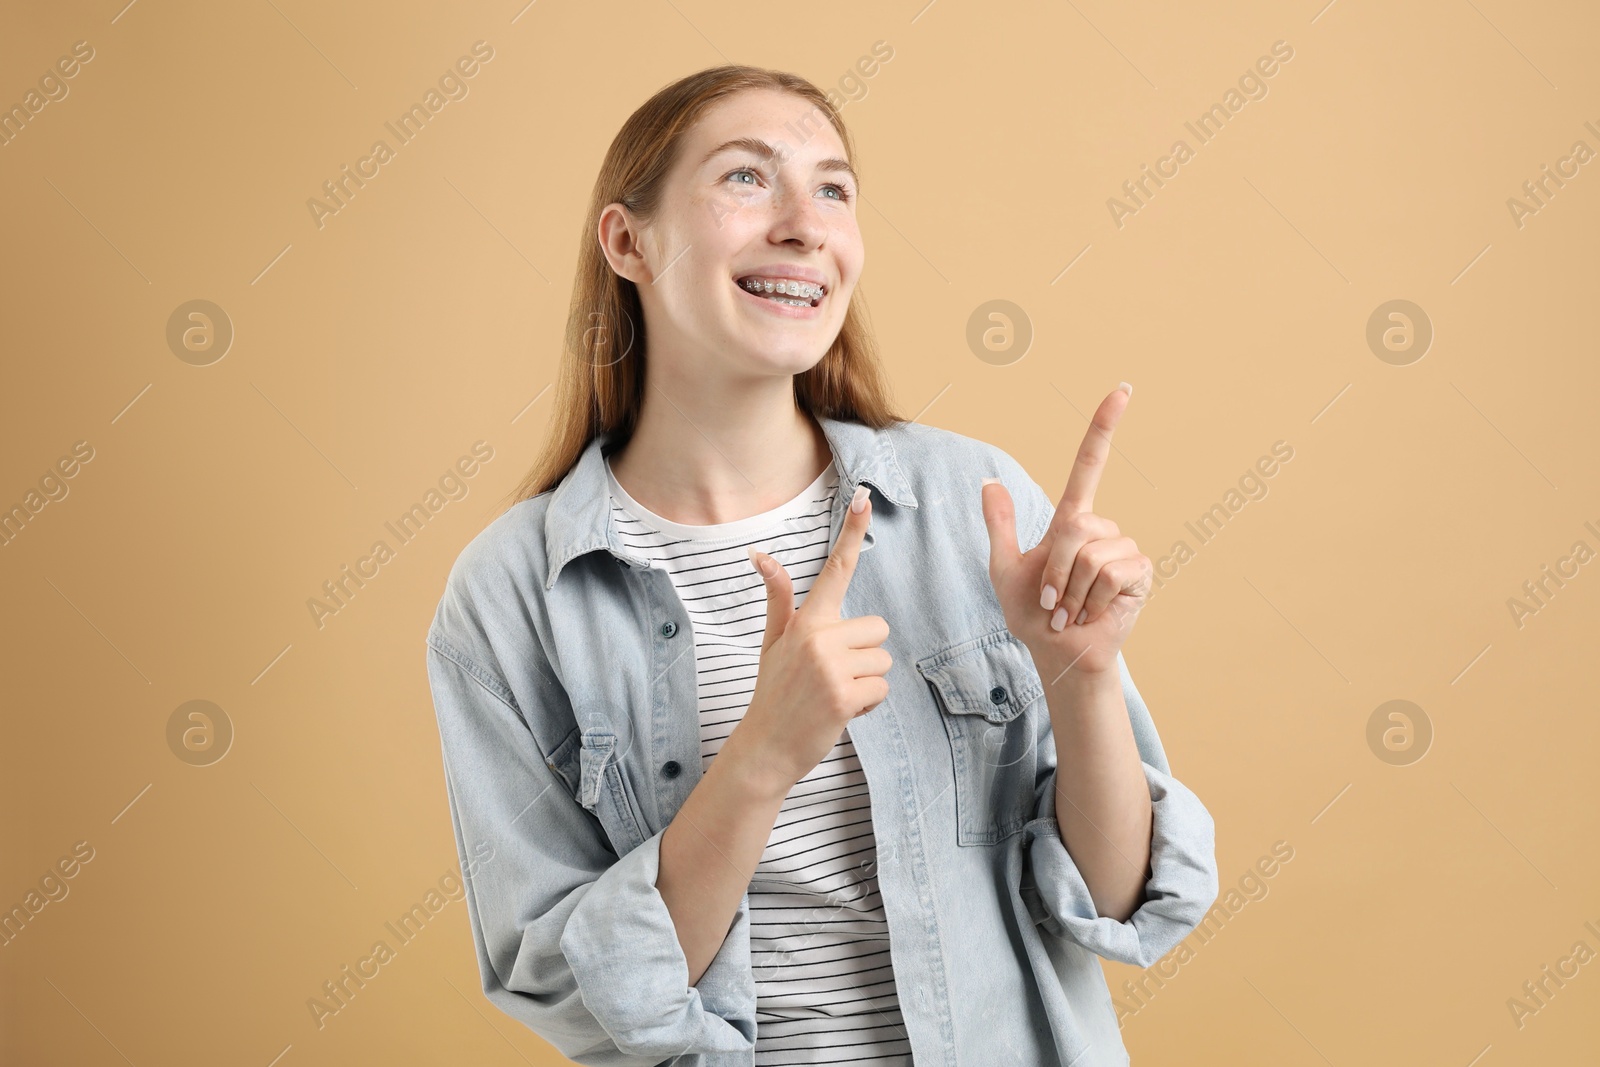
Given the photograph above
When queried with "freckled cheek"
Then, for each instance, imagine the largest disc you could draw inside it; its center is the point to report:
(846, 231)
(846, 241)
(722, 210)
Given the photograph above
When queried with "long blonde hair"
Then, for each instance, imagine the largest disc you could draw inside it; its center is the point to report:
(600, 386)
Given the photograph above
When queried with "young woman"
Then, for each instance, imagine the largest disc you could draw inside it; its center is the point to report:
(765, 741)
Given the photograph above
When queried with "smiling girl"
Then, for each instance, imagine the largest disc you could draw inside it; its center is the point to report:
(774, 776)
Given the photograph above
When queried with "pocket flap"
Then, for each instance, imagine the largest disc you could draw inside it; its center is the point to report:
(992, 676)
(593, 755)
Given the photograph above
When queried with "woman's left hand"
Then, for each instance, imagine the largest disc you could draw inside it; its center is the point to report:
(1097, 575)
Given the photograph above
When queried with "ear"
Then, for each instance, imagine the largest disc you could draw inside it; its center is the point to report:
(620, 241)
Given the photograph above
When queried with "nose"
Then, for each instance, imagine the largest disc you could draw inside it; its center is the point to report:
(796, 218)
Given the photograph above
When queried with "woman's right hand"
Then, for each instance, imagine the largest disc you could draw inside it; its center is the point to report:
(817, 671)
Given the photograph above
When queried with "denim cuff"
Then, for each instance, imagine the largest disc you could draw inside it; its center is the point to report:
(1182, 884)
(623, 949)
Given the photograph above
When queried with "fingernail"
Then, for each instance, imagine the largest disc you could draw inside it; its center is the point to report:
(858, 502)
(1084, 614)
(1125, 387)
(1059, 619)
(761, 564)
(1047, 599)
(986, 481)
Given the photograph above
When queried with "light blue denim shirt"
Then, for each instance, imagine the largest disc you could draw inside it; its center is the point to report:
(563, 677)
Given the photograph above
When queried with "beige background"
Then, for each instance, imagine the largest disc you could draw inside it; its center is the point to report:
(425, 316)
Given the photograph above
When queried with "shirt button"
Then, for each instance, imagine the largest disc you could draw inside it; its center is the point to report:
(671, 768)
(669, 628)
(997, 695)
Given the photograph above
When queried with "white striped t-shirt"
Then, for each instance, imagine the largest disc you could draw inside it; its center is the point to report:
(819, 942)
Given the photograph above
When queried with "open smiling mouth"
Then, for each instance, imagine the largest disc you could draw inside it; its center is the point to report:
(789, 293)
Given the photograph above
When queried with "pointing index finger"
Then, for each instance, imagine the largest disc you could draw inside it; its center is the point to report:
(827, 591)
(1092, 453)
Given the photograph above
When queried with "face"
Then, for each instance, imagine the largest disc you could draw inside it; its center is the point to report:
(733, 215)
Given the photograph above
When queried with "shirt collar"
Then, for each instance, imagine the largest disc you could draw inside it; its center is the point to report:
(578, 519)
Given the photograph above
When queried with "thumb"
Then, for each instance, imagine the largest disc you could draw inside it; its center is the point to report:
(780, 596)
(1000, 516)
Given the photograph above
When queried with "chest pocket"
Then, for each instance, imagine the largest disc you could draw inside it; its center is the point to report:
(588, 762)
(984, 685)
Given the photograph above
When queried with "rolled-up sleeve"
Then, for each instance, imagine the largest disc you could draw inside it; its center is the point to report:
(1183, 867)
(1181, 887)
(572, 941)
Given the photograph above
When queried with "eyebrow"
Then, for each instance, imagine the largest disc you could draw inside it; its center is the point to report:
(761, 148)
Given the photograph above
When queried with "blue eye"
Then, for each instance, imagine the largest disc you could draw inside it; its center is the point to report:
(843, 197)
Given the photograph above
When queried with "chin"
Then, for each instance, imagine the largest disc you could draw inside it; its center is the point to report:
(787, 360)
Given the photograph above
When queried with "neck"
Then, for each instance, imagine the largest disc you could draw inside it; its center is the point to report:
(701, 456)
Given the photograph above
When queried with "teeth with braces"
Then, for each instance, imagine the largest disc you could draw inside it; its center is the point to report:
(804, 291)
